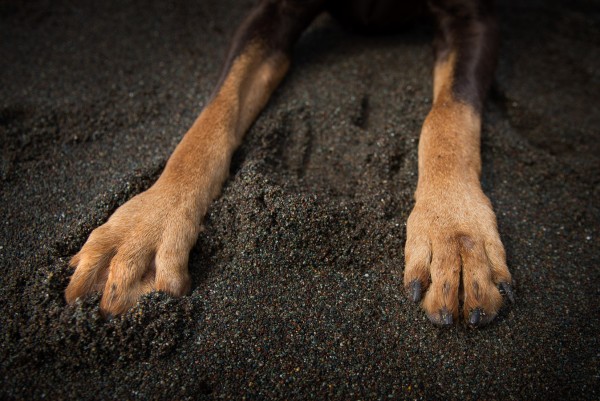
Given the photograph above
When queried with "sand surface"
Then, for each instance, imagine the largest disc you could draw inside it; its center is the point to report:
(297, 275)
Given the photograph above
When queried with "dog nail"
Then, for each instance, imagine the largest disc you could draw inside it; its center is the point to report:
(415, 291)
(475, 317)
(506, 288)
(445, 317)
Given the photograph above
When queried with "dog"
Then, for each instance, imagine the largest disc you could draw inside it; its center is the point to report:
(453, 254)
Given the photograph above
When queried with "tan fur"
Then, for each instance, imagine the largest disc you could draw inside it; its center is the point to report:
(145, 244)
(442, 75)
(452, 228)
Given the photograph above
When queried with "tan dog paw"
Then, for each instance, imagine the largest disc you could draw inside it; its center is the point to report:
(454, 254)
(143, 247)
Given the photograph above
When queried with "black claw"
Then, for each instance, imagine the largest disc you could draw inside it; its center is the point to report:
(415, 290)
(506, 288)
(475, 317)
(445, 317)
(442, 319)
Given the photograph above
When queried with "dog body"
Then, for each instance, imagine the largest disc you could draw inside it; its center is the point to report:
(453, 250)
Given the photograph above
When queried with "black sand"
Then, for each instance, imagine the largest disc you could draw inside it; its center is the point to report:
(297, 276)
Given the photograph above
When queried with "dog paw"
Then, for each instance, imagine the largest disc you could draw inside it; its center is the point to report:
(143, 247)
(454, 256)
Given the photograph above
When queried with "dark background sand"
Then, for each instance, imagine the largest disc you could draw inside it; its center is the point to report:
(297, 277)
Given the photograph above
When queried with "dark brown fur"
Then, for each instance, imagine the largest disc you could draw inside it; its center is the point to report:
(468, 28)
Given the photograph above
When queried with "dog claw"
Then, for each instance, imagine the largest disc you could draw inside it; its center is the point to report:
(475, 317)
(506, 288)
(415, 291)
(446, 317)
(442, 319)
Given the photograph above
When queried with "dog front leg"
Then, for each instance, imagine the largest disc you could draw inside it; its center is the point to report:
(145, 244)
(453, 249)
